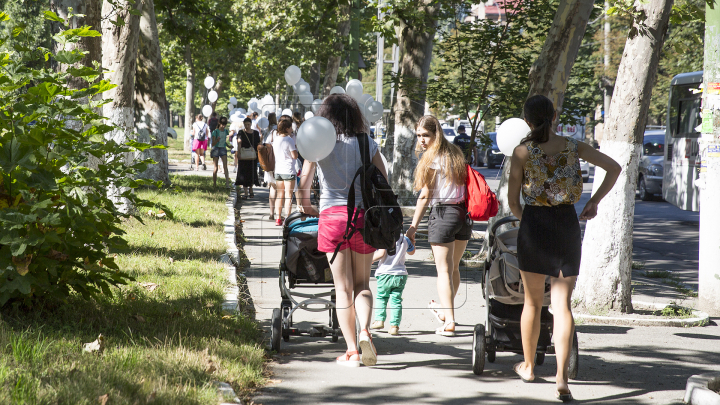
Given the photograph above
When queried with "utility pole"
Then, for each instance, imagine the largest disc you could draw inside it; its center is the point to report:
(354, 41)
(606, 63)
(709, 182)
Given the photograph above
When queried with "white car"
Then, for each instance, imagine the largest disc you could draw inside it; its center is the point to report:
(449, 134)
(585, 170)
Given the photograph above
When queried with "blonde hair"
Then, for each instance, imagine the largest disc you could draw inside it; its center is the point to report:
(453, 166)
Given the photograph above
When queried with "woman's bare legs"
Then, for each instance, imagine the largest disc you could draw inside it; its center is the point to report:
(563, 327)
(215, 170)
(273, 196)
(443, 253)
(280, 187)
(458, 251)
(225, 166)
(289, 187)
(351, 273)
(534, 285)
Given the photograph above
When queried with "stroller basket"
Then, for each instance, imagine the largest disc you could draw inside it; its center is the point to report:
(304, 262)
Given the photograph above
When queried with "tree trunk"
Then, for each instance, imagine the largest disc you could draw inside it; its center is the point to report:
(150, 108)
(604, 282)
(550, 73)
(416, 43)
(119, 46)
(343, 29)
(189, 97)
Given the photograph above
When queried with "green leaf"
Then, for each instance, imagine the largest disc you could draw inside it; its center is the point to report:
(84, 71)
(68, 57)
(4, 16)
(18, 29)
(46, 89)
(49, 15)
(84, 31)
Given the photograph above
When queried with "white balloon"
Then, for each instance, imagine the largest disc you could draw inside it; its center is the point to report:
(510, 133)
(252, 104)
(263, 123)
(316, 105)
(287, 112)
(301, 87)
(209, 82)
(233, 100)
(308, 115)
(242, 110)
(375, 111)
(212, 96)
(230, 107)
(354, 89)
(363, 100)
(292, 75)
(278, 113)
(206, 110)
(337, 90)
(316, 139)
(268, 102)
(365, 107)
(306, 99)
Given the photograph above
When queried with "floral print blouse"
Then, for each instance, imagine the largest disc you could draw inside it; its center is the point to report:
(552, 180)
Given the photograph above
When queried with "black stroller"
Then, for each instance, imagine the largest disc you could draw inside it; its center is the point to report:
(303, 265)
(504, 298)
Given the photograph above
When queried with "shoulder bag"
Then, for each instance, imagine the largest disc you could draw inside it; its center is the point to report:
(247, 153)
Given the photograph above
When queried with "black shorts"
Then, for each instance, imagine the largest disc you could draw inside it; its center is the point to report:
(449, 223)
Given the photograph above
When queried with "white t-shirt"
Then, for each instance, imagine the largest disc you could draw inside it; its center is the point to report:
(445, 191)
(282, 148)
(199, 127)
(395, 265)
(254, 125)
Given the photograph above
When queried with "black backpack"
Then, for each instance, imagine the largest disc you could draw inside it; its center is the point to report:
(383, 216)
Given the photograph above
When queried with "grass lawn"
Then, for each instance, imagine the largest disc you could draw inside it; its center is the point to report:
(164, 344)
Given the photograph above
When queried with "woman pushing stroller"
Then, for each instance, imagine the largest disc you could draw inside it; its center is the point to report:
(545, 169)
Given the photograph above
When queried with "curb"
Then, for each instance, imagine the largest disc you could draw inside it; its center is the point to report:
(699, 318)
(232, 304)
(701, 389)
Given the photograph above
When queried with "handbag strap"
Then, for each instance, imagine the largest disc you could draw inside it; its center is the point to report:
(248, 139)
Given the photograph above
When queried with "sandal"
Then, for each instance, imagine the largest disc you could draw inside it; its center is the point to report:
(567, 397)
(516, 369)
(369, 354)
(432, 305)
(344, 360)
(443, 331)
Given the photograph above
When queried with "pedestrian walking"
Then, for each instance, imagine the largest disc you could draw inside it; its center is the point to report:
(200, 132)
(391, 275)
(297, 121)
(285, 154)
(213, 121)
(235, 127)
(351, 267)
(545, 169)
(247, 175)
(269, 177)
(219, 150)
(440, 176)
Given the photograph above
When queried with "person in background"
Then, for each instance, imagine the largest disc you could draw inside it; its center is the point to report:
(464, 142)
(235, 127)
(391, 275)
(297, 121)
(269, 177)
(219, 150)
(247, 175)
(440, 177)
(200, 132)
(213, 122)
(545, 173)
(285, 154)
(254, 116)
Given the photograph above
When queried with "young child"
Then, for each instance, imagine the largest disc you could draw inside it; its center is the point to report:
(391, 276)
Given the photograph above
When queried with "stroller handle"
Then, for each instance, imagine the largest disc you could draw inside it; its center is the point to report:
(500, 223)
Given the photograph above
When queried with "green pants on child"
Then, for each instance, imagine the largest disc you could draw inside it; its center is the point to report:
(389, 288)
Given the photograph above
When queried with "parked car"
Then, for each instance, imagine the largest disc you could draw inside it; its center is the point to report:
(650, 170)
(449, 134)
(490, 156)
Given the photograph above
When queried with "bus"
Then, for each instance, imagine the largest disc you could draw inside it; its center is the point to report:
(682, 150)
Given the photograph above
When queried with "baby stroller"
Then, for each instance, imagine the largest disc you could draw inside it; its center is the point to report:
(303, 265)
(504, 298)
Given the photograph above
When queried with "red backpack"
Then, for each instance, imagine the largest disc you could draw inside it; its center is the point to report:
(481, 202)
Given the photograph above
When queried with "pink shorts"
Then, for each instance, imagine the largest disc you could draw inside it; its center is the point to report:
(199, 144)
(331, 229)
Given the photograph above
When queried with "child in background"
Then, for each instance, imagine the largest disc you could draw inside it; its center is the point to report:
(391, 276)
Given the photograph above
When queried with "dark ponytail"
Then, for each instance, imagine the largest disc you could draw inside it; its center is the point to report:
(539, 111)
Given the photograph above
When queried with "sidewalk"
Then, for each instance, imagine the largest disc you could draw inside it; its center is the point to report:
(625, 365)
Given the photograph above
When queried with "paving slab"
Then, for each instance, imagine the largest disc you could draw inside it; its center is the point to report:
(618, 364)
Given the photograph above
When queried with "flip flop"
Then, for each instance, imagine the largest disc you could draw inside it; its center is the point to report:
(345, 361)
(431, 306)
(564, 397)
(517, 371)
(444, 332)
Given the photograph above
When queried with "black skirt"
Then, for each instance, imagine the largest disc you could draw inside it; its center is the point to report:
(549, 240)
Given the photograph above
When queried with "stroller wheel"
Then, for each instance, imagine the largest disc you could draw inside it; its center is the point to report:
(539, 359)
(574, 358)
(334, 338)
(276, 330)
(478, 349)
(491, 356)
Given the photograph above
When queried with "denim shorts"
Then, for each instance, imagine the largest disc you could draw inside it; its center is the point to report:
(284, 177)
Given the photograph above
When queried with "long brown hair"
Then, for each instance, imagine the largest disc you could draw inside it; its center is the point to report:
(343, 112)
(285, 125)
(453, 161)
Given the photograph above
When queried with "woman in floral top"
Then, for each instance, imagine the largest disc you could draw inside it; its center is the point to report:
(545, 167)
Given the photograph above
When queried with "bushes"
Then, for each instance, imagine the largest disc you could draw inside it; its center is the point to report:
(57, 216)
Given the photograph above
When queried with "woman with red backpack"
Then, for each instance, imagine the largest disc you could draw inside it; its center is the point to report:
(440, 176)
